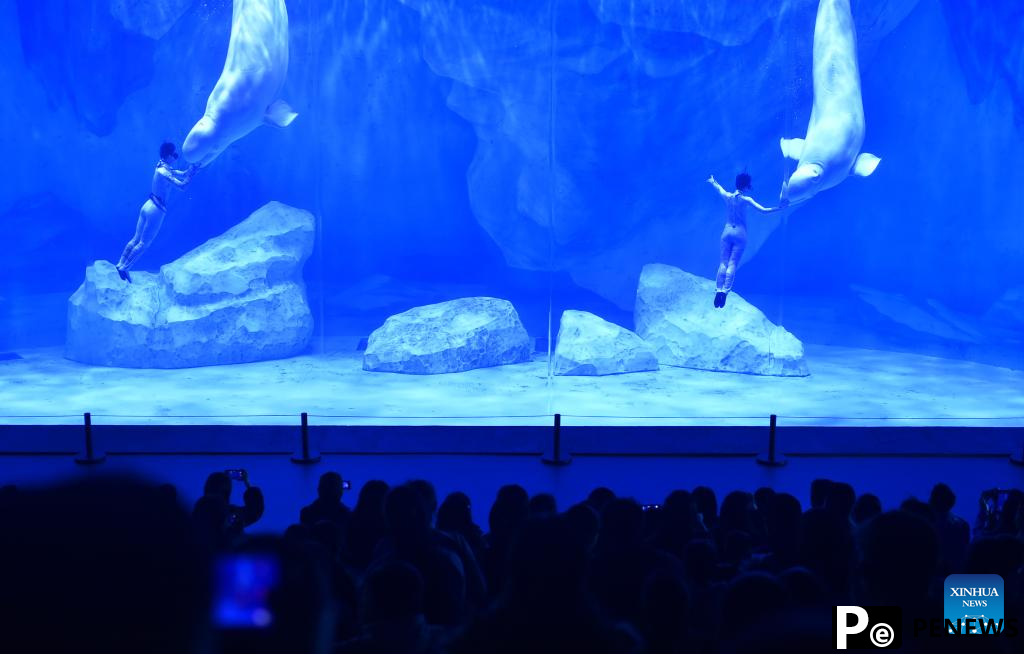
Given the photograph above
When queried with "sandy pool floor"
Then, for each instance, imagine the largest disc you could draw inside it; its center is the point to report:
(847, 386)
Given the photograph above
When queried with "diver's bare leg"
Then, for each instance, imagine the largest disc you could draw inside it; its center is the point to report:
(723, 267)
(738, 245)
(151, 218)
(122, 264)
(734, 261)
(723, 264)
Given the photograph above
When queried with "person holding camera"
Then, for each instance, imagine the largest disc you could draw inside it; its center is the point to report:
(327, 505)
(216, 500)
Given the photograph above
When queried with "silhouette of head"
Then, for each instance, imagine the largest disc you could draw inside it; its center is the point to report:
(218, 483)
(942, 498)
(840, 499)
(427, 494)
(330, 487)
(783, 521)
(743, 182)
(679, 513)
(600, 497)
(543, 504)
(405, 511)
(866, 507)
(819, 491)
(763, 497)
(371, 498)
(707, 505)
(455, 513)
(737, 512)
(509, 511)
(168, 152)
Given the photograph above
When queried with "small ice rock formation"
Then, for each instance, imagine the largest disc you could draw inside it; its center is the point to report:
(674, 314)
(239, 297)
(590, 346)
(452, 336)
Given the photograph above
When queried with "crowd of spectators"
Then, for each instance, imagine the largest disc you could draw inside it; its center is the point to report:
(118, 565)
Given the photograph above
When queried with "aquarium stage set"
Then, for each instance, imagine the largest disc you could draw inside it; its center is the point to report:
(420, 212)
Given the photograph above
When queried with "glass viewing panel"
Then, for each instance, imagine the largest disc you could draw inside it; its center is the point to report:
(424, 211)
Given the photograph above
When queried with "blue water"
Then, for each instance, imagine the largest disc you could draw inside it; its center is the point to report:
(541, 151)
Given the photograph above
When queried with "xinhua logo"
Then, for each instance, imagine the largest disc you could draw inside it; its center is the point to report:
(867, 627)
(974, 604)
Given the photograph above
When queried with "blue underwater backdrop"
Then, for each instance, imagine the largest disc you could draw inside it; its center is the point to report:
(541, 152)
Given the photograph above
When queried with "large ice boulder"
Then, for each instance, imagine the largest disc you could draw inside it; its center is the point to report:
(589, 345)
(238, 297)
(453, 336)
(675, 314)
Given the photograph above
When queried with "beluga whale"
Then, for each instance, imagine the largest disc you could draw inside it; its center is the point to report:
(245, 96)
(830, 152)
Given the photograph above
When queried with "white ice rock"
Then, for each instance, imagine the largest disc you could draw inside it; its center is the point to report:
(589, 346)
(239, 297)
(674, 313)
(452, 336)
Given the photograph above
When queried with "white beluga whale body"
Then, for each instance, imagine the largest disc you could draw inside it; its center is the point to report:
(245, 96)
(835, 133)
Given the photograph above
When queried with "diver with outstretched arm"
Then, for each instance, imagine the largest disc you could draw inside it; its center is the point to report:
(734, 235)
(151, 216)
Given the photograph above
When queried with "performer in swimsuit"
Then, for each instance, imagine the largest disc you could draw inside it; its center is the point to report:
(151, 216)
(734, 235)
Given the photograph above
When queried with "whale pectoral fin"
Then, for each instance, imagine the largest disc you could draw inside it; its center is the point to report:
(792, 148)
(279, 114)
(865, 164)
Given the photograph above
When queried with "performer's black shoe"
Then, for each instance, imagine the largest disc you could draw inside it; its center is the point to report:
(719, 300)
(123, 274)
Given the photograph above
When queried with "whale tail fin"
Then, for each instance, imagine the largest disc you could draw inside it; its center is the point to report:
(865, 164)
(792, 148)
(279, 114)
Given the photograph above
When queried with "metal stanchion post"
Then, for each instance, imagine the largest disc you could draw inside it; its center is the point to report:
(89, 454)
(306, 454)
(555, 456)
(771, 458)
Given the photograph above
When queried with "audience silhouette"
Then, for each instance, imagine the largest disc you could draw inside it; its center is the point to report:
(116, 565)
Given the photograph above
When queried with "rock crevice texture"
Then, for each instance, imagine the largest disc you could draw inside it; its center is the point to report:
(237, 298)
(589, 346)
(452, 336)
(675, 315)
